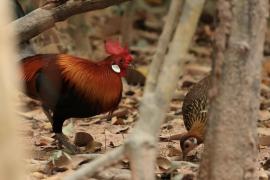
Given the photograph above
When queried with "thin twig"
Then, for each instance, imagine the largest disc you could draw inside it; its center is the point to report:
(114, 173)
(105, 139)
(171, 137)
(89, 156)
(119, 113)
(179, 164)
(91, 168)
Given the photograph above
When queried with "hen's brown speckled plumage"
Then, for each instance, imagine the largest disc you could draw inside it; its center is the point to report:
(195, 104)
(195, 115)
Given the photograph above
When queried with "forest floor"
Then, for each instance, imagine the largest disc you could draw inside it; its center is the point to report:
(47, 161)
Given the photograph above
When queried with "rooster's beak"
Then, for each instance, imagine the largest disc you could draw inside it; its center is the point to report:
(131, 66)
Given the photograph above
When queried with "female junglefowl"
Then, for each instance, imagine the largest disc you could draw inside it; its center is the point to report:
(195, 117)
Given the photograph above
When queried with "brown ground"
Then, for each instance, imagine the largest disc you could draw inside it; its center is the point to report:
(107, 135)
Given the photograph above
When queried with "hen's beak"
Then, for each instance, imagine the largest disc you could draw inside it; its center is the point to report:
(184, 156)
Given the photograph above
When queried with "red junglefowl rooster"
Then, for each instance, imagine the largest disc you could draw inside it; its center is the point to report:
(69, 86)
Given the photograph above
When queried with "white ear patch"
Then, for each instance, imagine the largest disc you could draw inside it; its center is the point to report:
(194, 140)
(116, 68)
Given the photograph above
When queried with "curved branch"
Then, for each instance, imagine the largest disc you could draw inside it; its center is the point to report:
(41, 19)
(89, 169)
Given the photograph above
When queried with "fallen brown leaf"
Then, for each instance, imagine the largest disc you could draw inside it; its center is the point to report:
(195, 69)
(43, 141)
(93, 147)
(264, 140)
(163, 163)
(83, 139)
(264, 115)
(59, 159)
(263, 131)
(117, 121)
(118, 129)
(173, 151)
(38, 175)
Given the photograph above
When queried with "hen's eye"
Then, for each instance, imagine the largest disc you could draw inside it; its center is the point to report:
(186, 145)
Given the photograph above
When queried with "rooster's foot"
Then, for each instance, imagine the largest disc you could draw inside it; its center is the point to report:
(63, 140)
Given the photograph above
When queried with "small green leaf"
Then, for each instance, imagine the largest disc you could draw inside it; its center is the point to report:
(68, 129)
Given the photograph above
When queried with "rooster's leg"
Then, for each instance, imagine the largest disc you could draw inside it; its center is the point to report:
(63, 140)
(47, 113)
(109, 117)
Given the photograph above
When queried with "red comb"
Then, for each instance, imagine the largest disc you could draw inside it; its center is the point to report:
(114, 48)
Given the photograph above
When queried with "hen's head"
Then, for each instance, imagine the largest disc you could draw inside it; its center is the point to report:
(119, 56)
(188, 142)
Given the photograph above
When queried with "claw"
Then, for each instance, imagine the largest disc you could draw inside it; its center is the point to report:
(63, 140)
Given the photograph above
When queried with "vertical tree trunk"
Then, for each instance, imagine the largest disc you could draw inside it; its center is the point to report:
(231, 146)
(10, 150)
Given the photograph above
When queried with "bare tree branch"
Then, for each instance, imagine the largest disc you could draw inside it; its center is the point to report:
(40, 19)
(163, 42)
